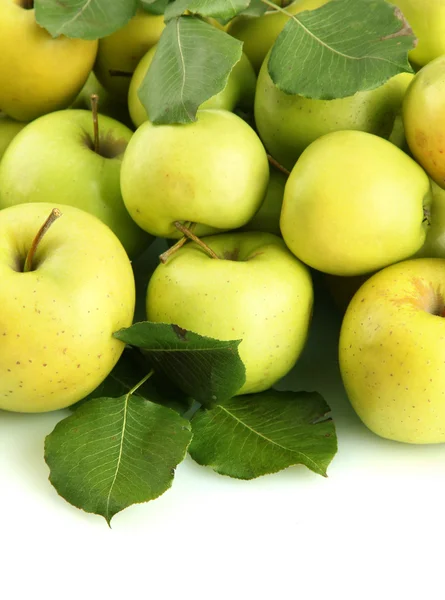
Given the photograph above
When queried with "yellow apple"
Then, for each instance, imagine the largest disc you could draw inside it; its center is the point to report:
(38, 73)
(267, 218)
(434, 246)
(9, 128)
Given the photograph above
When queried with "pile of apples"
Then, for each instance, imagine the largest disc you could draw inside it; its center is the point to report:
(353, 188)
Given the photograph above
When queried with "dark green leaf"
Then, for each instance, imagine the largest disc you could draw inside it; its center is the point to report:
(256, 8)
(192, 63)
(264, 433)
(219, 9)
(86, 19)
(115, 452)
(340, 49)
(132, 368)
(208, 370)
(154, 7)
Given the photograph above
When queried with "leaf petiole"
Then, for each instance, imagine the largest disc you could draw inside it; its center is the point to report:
(141, 382)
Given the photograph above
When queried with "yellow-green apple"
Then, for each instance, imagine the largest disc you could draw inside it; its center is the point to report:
(423, 114)
(9, 128)
(239, 91)
(57, 154)
(287, 123)
(434, 246)
(258, 34)
(427, 19)
(392, 351)
(397, 135)
(256, 291)
(354, 203)
(38, 73)
(61, 308)
(267, 218)
(120, 52)
(212, 172)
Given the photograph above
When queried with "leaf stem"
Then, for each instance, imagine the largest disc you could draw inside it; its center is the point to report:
(94, 110)
(55, 214)
(277, 165)
(183, 229)
(276, 7)
(141, 382)
(173, 249)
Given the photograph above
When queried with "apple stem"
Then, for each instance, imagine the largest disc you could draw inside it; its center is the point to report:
(55, 214)
(277, 165)
(28, 4)
(166, 255)
(186, 231)
(117, 73)
(94, 110)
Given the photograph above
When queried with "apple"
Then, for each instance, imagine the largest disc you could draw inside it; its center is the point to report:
(354, 203)
(427, 19)
(120, 52)
(392, 352)
(239, 91)
(255, 291)
(423, 112)
(59, 316)
(267, 218)
(212, 172)
(258, 34)
(9, 128)
(53, 159)
(38, 73)
(434, 246)
(287, 123)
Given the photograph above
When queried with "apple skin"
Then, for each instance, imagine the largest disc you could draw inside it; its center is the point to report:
(58, 319)
(423, 109)
(122, 50)
(427, 19)
(287, 124)
(9, 128)
(213, 172)
(257, 292)
(354, 204)
(38, 74)
(55, 151)
(258, 34)
(239, 91)
(434, 246)
(392, 352)
(267, 218)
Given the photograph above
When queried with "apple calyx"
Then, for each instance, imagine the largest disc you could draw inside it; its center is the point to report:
(277, 165)
(54, 215)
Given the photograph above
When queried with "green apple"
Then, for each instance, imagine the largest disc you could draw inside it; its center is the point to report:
(213, 172)
(108, 105)
(9, 128)
(53, 159)
(423, 112)
(267, 218)
(255, 291)
(59, 316)
(392, 352)
(258, 34)
(120, 52)
(434, 246)
(427, 19)
(287, 124)
(38, 73)
(239, 91)
(397, 135)
(354, 203)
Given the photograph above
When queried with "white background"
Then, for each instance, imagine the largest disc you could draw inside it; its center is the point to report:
(373, 529)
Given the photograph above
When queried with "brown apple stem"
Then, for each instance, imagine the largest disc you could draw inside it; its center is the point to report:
(168, 253)
(55, 214)
(27, 4)
(117, 73)
(95, 112)
(186, 231)
(277, 165)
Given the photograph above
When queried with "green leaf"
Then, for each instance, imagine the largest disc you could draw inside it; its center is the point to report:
(340, 49)
(256, 8)
(85, 19)
(264, 433)
(115, 452)
(208, 370)
(219, 9)
(154, 7)
(132, 368)
(192, 63)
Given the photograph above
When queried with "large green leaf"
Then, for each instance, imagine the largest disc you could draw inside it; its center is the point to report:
(341, 48)
(154, 7)
(115, 452)
(86, 19)
(264, 433)
(208, 370)
(224, 10)
(192, 63)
